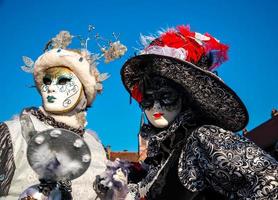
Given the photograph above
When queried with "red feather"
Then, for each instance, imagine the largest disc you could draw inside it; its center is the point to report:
(136, 93)
(196, 47)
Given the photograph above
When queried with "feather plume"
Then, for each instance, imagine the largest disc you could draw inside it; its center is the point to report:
(102, 77)
(29, 64)
(195, 46)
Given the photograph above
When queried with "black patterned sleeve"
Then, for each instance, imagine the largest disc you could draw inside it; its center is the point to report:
(7, 165)
(229, 164)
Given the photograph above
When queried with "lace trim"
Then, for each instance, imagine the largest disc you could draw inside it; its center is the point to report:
(52, 122)
(156, 138)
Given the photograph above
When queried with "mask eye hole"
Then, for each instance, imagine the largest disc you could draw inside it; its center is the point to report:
(63, 81)
(169, 98)
(148, 100)
(47, 80)
(147, 103)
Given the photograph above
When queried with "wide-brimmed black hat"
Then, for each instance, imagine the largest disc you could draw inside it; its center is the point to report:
(215, 99)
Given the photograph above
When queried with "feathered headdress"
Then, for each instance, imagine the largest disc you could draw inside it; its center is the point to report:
(186, 45)
(81, 61)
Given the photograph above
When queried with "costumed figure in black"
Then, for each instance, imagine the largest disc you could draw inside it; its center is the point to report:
(194, 151)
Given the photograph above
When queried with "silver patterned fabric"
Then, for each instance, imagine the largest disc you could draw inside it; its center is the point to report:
(209, 158)
(228, 163)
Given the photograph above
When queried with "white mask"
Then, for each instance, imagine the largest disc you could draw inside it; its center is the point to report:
(160, 117)
(61, 90)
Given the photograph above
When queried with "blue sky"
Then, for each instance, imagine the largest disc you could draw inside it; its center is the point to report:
(249, 27)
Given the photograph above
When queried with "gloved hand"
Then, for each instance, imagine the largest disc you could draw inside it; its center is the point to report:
(112, 184)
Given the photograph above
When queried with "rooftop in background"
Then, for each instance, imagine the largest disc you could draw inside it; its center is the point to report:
(266, 134)
(123, 155)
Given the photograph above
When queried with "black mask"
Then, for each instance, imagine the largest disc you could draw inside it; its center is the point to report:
(165, 96)
(160, 90)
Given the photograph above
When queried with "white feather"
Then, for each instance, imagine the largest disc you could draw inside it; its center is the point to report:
(98, 86)
(27, 69)
(28, 61)
(29, 64)
(103, 77)
(146, 39)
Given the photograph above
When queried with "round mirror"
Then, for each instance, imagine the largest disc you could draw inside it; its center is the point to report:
(58, 154)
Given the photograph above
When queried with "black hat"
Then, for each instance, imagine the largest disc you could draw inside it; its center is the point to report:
(187, 58)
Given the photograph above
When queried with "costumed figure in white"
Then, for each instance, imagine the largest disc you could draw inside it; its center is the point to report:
(194, 151)
(64, 158)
